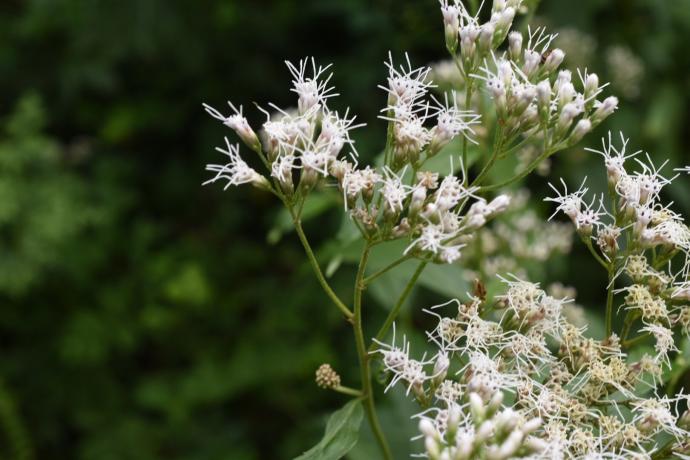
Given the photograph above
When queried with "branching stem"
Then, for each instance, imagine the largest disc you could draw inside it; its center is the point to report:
(363, 355)
(381, 334)
(317, 269)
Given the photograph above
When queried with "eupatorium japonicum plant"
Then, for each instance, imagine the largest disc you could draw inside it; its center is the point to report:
(513, 374)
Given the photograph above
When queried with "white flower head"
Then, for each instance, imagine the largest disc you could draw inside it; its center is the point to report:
(614, 158)
(311, 87)
(452, 122)
(569, 203)
(335, 133)
(394, 191)
(406, 85)
(237, 122)
(236, 171)
(664, 341)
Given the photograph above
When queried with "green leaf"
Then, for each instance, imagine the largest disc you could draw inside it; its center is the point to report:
(342, 432)
(315, 205)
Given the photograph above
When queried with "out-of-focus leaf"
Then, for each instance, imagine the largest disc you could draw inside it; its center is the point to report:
(315, 205)
(342, 432)
(395, 412)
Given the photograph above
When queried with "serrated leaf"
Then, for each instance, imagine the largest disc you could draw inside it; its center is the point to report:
(342, 432)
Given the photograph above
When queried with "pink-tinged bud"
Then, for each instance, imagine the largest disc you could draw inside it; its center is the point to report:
(531, 425)
(499, 204)
(477, 407)
(544, 95)
(582, 127)
(486, 36)
(591, 85)
(468, 39)
(451, 23)
(532, 61)
(604, 109)
(515, 45)
(505, 20)
(427, 428)
(565, 119)
(238, 123)
(554, 60)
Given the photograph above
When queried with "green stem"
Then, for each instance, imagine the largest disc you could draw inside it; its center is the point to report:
(498, 145)
(636, 340)
(390, 266)
(468, 101)
(601, 261)
(630, 318)
(317, 270)
(609, 300)
(348, 391)
(381, 334)
(531, 167)
(367, 391)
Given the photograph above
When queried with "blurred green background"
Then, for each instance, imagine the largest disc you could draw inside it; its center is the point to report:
(146, 317)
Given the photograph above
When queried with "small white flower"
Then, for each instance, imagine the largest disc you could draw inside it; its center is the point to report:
(394, 191)
(236, 122)
(313, 91)
(236, 171)
(335, 133)
(406, 85)
(569, 203)
(664, 340)
(452, 122)
(614, 158)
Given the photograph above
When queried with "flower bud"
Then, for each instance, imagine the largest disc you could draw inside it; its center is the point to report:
(531, 425)
(451, 22)
(591, 85)
(579, 131)
(498, 205)
(505, 20)
(684, 421)
(544, 96)
(468, 38)
(532, 61)
(515, 45)
(604, 109)
(484, 432)
(568, 114)
(433, 450)
(441, 368)
(427, 428)
(477, 407)
(496, 401)
(486, 36)
(554, 60)
(326, 377)
(417, 201)
(261, 183)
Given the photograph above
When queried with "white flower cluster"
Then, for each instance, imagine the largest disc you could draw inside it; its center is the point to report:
(514, 375)
(528, 101)
(308, 140)
(409, 111)
(393, 202)
(495, 390)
